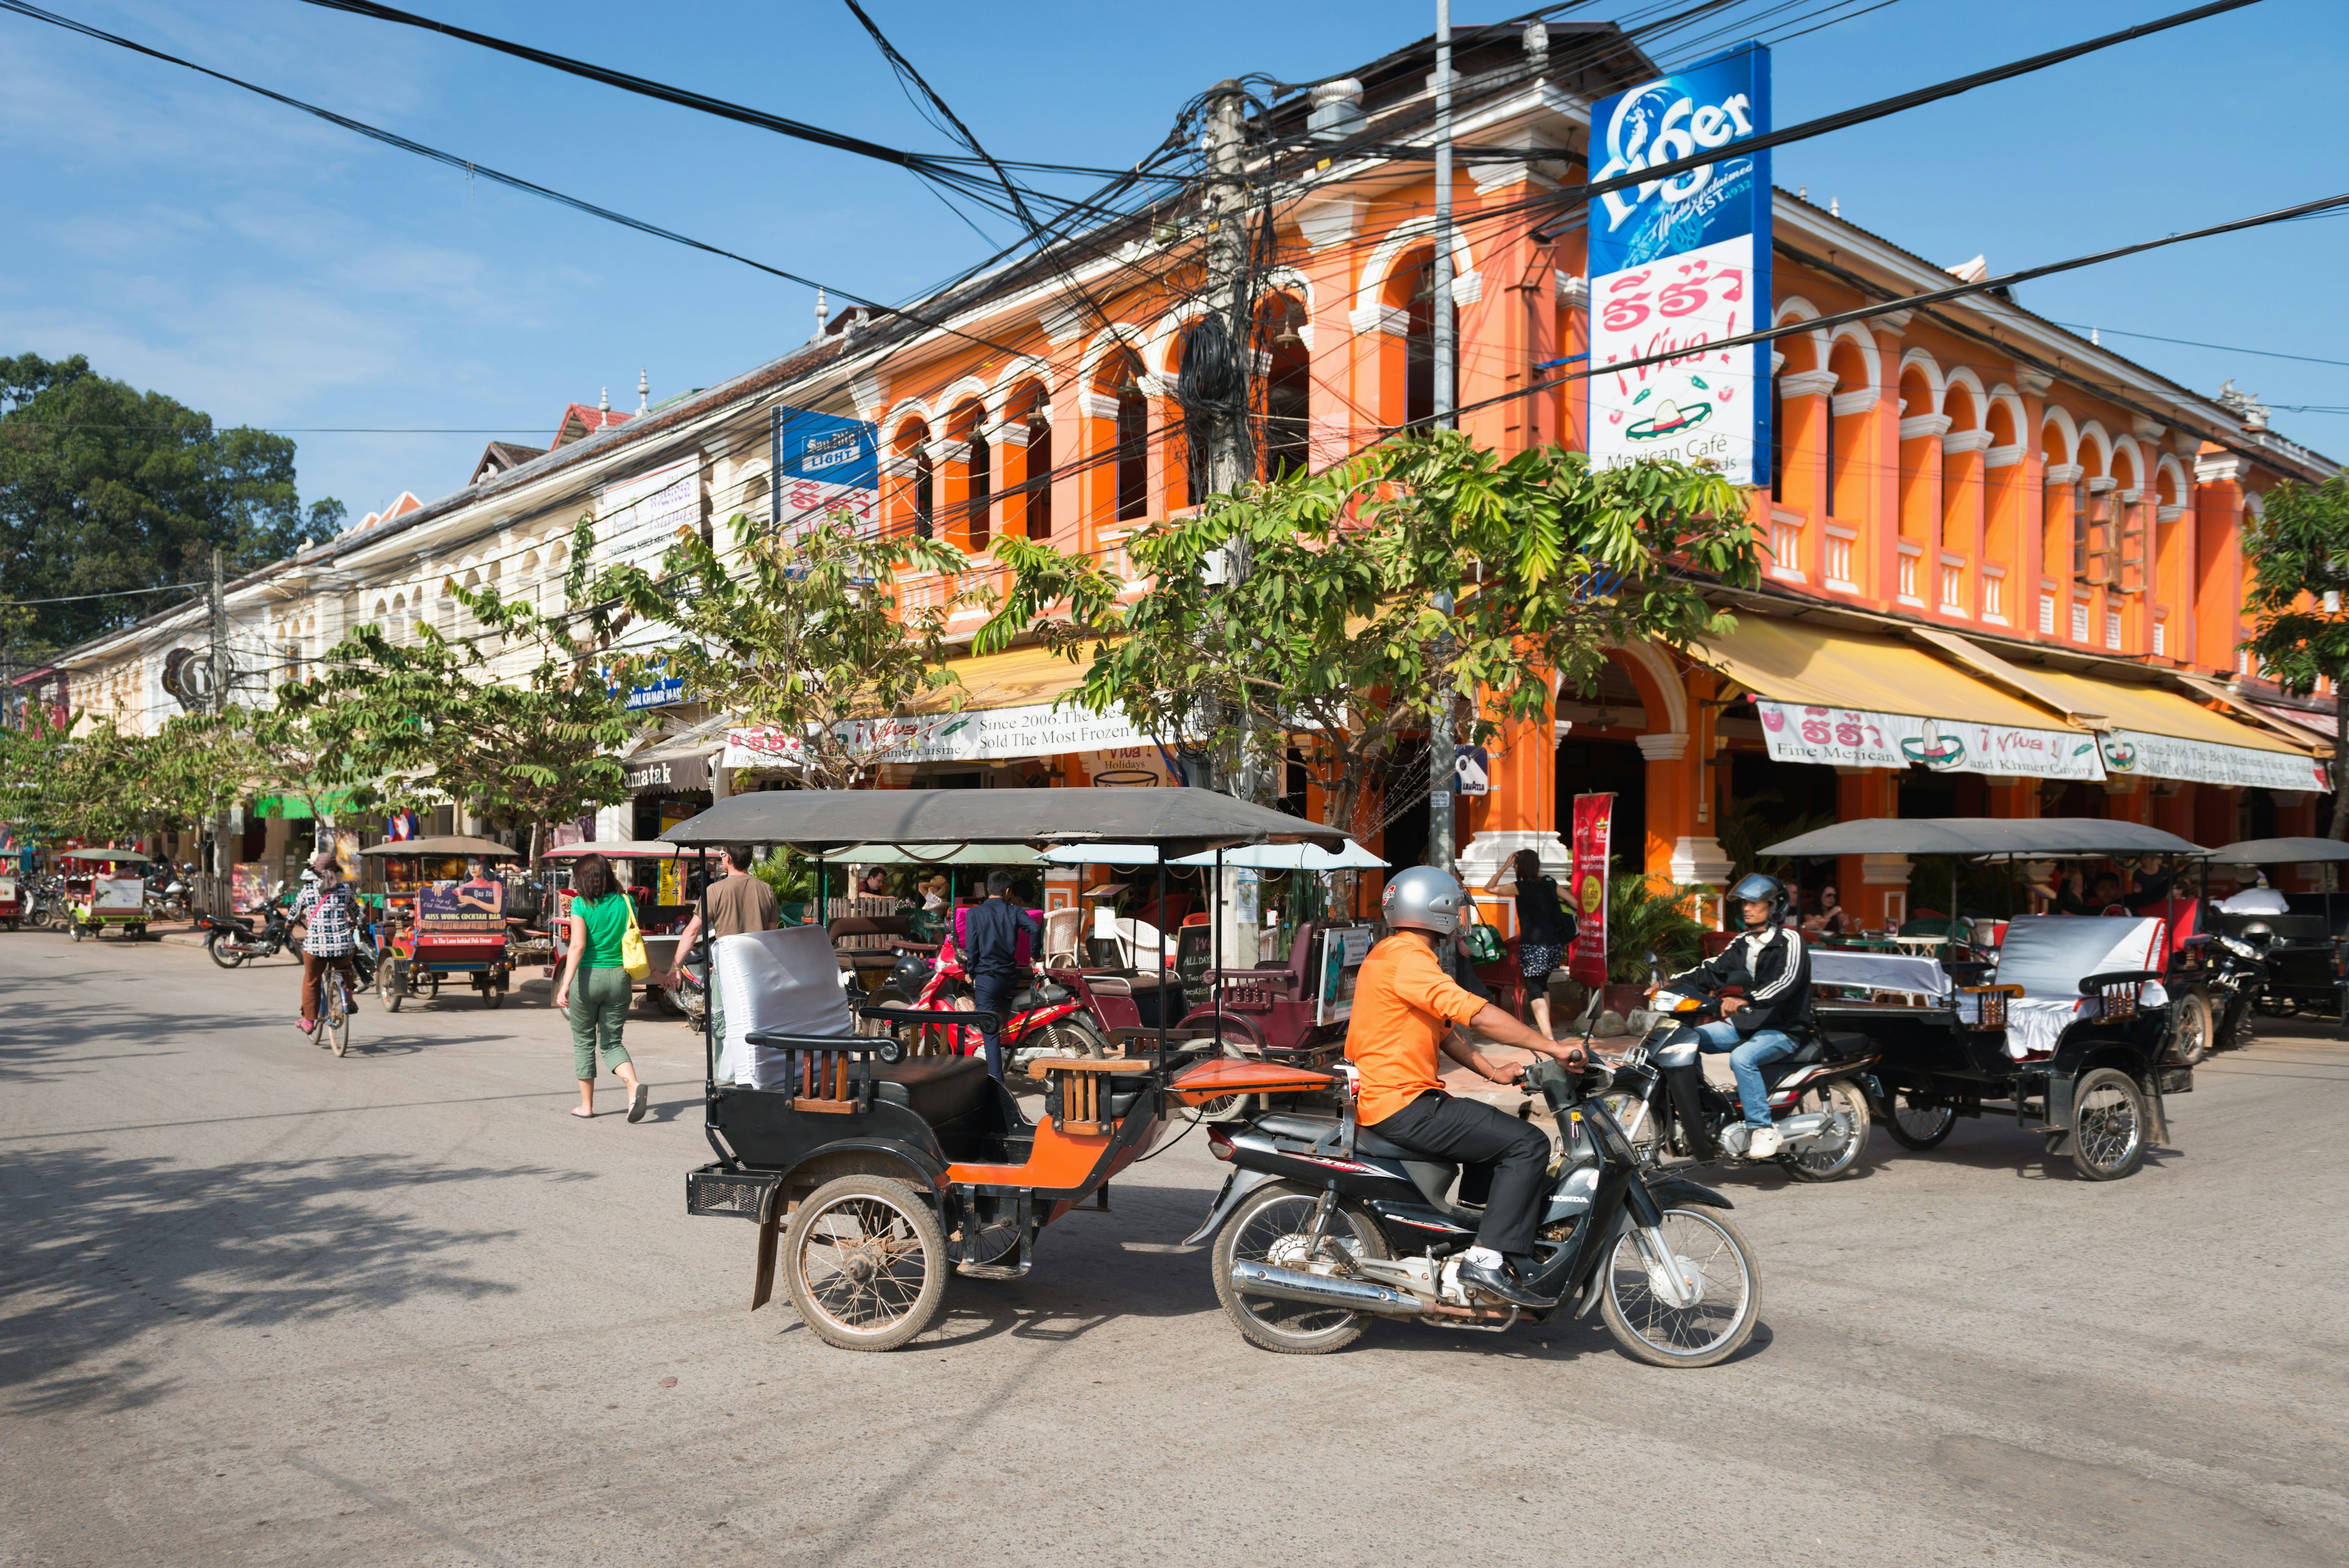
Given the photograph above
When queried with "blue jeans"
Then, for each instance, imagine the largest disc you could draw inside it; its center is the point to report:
(1748, 1055)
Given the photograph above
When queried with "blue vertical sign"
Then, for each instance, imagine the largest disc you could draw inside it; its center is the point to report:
(1680, 263)
(824, 465)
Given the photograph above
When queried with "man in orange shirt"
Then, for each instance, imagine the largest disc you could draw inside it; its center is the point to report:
(1405, 1009)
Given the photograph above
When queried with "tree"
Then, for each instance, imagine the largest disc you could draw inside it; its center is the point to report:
(104, 489)
(794, 631)
(1335, 634)
(420, 723)
(2299, 551)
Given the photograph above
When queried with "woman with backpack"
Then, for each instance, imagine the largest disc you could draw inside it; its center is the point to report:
(1545, 928)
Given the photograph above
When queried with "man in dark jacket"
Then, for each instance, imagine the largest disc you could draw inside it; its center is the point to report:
(991, 957)
(1770, 961)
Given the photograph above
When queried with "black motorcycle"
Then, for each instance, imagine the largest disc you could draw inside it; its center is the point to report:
(1818, 1096)
(1324, 1225)
(232, 938)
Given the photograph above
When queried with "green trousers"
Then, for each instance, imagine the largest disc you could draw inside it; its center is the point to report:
(599, 1006)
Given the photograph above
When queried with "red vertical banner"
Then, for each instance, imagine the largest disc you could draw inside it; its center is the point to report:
(1594, 824)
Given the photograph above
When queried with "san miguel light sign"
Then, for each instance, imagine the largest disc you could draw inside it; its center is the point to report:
(1682, 262)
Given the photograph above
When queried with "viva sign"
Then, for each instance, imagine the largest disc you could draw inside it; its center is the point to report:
(1679, 264)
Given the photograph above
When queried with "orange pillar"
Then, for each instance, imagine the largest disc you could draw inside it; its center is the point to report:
(1874, 887)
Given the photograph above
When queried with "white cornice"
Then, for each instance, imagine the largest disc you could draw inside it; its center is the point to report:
(1858, 402)
(2171, 513)
(2221, 468)
(1922, 427)
(1960, 443)
(1389, 320)
(2003, 456)
(1893, 323)
(2063, 473)
(2101, 483)
(1094, 405)
(2148, 429)
(1467, 288)
(1573, 290)
(1329, 220)
(2033, 382)
(1805, 384)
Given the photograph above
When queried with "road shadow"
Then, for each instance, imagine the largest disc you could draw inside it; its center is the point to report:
(103, 1249)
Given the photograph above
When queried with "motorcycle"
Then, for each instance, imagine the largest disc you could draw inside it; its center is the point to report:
(1323, 1225)
(232, 938)
(2241, 976)
(1818, 1097)
(1045, 1019)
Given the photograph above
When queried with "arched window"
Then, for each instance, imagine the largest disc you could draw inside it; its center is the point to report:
(1419, 348)
(758, 502)
(925, 495)
(1039, 476)
(1133, 443)
(980, 458)
(1287, 442)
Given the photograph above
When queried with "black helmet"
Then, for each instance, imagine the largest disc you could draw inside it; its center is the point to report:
(1756, 887)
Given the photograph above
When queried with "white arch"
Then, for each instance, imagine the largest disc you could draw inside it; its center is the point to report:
(1163, 353)
(2093, 434)
(1401, 238)
(1118, 334)
(2169, 468)
(2255, 505)
(1852, 331)
(1288, 279)
(2010, 399)
(902, 410)
(2062, 419)
(998, 397)
(1797, 308)
(1962, 377)
(969, 390)
(2125, 445)
(1935, 383)
(1668, 682)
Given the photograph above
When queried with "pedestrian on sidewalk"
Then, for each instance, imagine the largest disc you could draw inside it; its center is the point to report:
(740, 903)
(598, 1001)
(1545, 928)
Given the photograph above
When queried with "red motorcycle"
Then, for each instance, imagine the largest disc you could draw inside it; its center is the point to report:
(1046, 1018)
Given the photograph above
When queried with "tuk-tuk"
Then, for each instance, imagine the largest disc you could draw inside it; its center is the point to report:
(2304, 948)
(104, 889)
(11, 896)
(443, 914)
(857, 1169)
(2067, 1024)
(664, 879)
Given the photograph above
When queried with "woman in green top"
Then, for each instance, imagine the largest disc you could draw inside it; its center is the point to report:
(598, 1003)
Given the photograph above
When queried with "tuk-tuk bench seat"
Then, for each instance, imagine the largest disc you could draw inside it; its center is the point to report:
(938, 1089)
(1089, 1094)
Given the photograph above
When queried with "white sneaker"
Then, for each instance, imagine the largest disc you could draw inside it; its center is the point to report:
(1764, 1144)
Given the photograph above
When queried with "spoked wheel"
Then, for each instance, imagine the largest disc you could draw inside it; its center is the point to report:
(1827, 1157)
(866, 1263)
(1075, 1035)
(2108, 1126)
(2191, 1043)
(1917, 1124)
(224, 954)
(1236, 1040)
(75, 927)
(1273, 1225)
(1705, 1248)
(386, 985)
(432, 988)
(334, 1022)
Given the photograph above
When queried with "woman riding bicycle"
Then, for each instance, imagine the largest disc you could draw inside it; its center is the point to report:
(331, 917)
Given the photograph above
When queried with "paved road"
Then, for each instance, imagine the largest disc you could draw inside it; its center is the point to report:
(259, 1305)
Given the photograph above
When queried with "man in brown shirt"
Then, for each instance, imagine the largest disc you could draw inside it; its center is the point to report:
(738, 904)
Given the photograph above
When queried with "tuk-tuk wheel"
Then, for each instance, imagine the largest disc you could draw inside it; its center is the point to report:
(493, 996)
(75, 927)
(1915, 1126)
(387, 986)
(2108, 1125)
(865, 1261)
(2191, 1043)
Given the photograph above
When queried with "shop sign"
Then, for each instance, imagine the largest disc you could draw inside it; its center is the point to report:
(1594, 831)
(2133, 754)
(986, 734)
(1855, 738)
(1343, 948)
(823, 466)
(1471, 771)
(668, 774)
(1682, 262)
(660, 689)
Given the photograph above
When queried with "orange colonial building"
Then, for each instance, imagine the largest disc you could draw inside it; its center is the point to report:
(1977, 519)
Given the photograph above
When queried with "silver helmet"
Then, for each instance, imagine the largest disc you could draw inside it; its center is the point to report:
(1423, 900)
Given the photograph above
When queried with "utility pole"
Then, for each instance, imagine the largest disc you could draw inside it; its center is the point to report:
(1442, 850)
(217, 604)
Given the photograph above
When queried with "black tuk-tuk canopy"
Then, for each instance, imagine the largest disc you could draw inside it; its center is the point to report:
(2032, 837)
(827, 822)
(447, 844)
(2280, 851)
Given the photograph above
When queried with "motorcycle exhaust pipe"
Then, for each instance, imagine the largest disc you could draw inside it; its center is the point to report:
(1806, 1126)
(1321, 1289)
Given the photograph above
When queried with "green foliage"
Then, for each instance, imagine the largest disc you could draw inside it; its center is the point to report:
(105, 488)
(1642, 919)
(430, 722)
(790, 632)
(96, 782)
(791, 877)
(1752, 822)
(1333, 637)
(2299, 551)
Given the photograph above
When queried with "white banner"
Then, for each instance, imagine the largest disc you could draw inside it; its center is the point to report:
(986, 734)
(2135, 754)
(1700, 406)
(1853, 738)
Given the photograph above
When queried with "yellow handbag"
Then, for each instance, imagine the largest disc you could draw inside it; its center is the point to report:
(638, 962)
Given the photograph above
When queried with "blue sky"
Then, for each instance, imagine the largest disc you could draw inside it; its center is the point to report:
(274, 270)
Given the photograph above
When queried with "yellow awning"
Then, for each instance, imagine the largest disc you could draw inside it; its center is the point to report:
(1019, 678)
(2158, 711)
(1790, 661)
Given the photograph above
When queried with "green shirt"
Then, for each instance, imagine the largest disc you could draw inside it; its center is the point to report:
(607, 920)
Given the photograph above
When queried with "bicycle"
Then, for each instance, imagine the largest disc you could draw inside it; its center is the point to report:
(334, 1013)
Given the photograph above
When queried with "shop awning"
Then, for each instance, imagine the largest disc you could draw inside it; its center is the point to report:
(2157, 732)
(675, 762)
(1855, 700)
(1007, 711)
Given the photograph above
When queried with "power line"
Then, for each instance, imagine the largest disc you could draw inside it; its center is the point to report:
(1913, 99)
(471, 169)
(2190, 343)
(114, 594)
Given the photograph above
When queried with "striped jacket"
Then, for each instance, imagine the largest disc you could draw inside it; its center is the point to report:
(1775, 967)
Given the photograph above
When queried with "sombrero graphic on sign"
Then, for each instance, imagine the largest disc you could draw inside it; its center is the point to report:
(1670, 418)
(2119, 755)
(1934, 749)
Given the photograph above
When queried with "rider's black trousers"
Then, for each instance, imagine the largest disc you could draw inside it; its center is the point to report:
(1472, 1132)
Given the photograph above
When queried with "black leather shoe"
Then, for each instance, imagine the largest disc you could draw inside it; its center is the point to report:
(1501, 1284)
